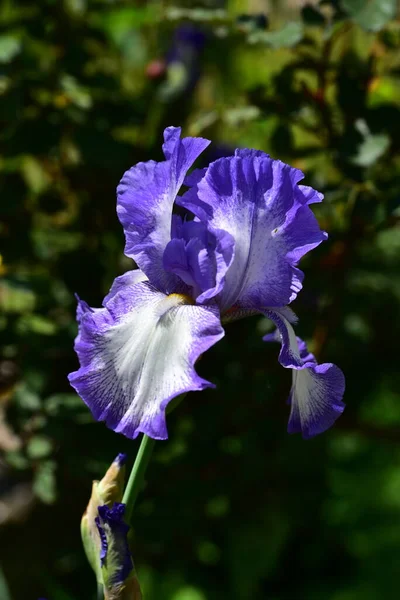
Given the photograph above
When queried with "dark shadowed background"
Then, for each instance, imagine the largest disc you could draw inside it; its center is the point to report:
(234, 508)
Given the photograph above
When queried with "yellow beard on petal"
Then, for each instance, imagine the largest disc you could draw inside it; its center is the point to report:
(181, 299)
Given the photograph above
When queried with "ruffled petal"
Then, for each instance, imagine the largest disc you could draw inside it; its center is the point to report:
(128, 278)
(259, 202)
(289, 355)
(200, 257)
(317, 390)
(145, 197)
(315, 399)
(138, 353)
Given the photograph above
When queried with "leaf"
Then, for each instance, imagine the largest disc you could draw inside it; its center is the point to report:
(39, 447)
(34, 174)
(243, 114)
(384, 90)
(371, 15)
(188, 593)
(26, 398)
(10, 46)
(76, 7)
(44, 485)
(371, 149)
(15, 298)
(36, 324)
(118, 23)
(48, 243)
(210, 15)
(388, 245)
(17, 460)
(63, 404)
(75, 92)
(286, 37)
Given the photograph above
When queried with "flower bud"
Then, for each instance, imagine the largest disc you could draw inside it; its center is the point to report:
(108, 490)
(117, 570)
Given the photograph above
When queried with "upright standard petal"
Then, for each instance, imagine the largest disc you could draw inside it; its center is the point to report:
(259, 202)
(138, 352)
(145, 197)
(200, 257)
(317, 390)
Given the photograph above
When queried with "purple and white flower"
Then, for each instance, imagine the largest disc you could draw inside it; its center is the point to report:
(236, 253)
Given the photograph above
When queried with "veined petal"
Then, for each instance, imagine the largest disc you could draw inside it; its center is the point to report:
(81, 345)
(146, 195)
(315, 399)
(138, 353)
(311, 196)
(317, 390)
(259, 202)
(289, 355)
(128, 278)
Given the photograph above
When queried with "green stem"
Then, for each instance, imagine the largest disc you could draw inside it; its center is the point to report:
(100, 595)
(136, 478)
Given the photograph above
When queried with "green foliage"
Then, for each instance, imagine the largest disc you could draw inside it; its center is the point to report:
(4, 591)
(44, 483)
(372, 147)
(233, 507)
(371, 15)
(286, 37)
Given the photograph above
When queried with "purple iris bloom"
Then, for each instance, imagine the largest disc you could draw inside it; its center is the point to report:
(250, 225)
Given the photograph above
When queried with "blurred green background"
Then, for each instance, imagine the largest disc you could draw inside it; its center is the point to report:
(234, 508)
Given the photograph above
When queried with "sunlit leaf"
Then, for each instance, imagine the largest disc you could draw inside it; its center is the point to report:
(10, 46)
(243, 114)
(383, 91)
(26, 398)
(372, 15)
(39, 446)
(17, 460)
(44, 484)
(371, 149)
(286, 37)
(34, 174)
(188, 593)
(16, 298)
(36, 324)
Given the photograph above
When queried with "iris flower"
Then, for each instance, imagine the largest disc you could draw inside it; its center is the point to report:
(235, 253)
